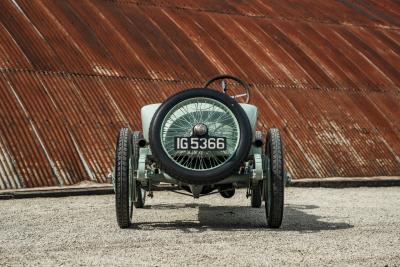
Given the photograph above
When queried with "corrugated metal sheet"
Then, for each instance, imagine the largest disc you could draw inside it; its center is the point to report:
(73, 72)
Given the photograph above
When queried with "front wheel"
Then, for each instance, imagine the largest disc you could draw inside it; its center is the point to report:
(274, 183)
(123, 202)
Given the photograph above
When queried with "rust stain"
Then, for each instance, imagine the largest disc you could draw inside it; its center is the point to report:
(327, 73)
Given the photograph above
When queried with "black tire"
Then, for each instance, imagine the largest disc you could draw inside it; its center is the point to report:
(204, 177)
(256, 196)
(227, 192)
(274, 186)
(140, 199)
(123, 206)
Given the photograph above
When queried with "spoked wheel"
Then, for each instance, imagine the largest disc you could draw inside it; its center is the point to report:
(274, 184)
(256, 196)
(123, 201)
(184, 132)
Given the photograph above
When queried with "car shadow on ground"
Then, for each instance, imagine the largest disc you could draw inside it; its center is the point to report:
(298, 218)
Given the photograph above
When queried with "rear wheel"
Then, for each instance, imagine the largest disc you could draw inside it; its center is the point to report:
(274, 184)
(256, 196)
(123, 203)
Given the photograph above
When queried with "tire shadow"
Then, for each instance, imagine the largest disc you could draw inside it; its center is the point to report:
(300, 218)
(297, 218)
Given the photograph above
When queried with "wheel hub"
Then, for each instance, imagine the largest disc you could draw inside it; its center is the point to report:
(200, 129)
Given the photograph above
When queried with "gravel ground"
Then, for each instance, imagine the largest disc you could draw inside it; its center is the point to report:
(321, 227)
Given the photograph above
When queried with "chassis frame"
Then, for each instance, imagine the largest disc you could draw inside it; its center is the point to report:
(256, 168)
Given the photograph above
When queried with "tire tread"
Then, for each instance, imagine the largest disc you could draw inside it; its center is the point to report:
(122, 178)
(275, 217)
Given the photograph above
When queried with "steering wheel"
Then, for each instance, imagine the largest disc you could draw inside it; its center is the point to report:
(225, 89)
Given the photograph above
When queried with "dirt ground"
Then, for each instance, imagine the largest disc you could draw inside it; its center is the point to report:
(359, 226)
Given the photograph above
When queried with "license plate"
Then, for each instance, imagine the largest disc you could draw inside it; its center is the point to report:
(200, 143)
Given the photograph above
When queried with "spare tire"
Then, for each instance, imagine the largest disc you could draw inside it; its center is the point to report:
(201, 115)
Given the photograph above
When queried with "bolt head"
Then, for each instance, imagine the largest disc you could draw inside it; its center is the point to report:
(200, 129)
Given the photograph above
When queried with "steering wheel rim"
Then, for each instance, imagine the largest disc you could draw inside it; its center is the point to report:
(231, 77)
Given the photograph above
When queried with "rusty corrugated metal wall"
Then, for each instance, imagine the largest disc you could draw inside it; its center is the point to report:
(73, 72)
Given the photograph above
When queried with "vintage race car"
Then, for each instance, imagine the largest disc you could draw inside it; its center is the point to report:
(202, 141)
